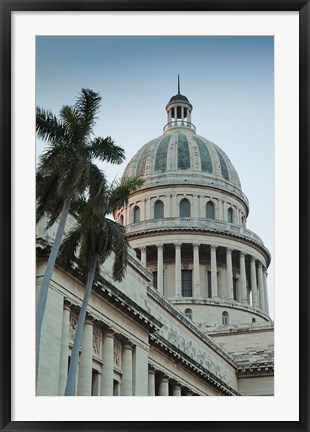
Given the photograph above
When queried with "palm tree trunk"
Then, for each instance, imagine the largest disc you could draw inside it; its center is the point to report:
(79, 330)
(48, 275)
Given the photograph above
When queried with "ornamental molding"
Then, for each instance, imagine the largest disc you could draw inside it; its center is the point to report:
(191, 364)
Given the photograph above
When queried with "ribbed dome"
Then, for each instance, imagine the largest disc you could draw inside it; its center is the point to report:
(180, 156)
(183, 156)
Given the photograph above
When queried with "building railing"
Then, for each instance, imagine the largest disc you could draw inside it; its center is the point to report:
(179, 123)
(193, 223)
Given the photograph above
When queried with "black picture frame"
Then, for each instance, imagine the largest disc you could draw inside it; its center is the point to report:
(7, 7)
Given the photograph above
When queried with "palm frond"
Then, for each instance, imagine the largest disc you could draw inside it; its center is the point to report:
(87, 105)
(120, 191)
(46, 198)
(48, 127)
(69, 247)
(105, 150)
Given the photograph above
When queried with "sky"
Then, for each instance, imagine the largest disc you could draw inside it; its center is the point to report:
(228, 80)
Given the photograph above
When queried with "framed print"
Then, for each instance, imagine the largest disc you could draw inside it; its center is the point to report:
(160, 160)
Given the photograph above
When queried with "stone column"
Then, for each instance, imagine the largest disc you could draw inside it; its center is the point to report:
(64, 353)
(126, 389)
(86, 359)
(261, 287)
(140, 371)
(160, 269)
(195, 206)
(244, 296)
(178, 277)
(143, 255)
(151, 382)
(254, 283)
(164, 386)
(177, 390)
(174, 206)
(229, 270)
(265, 290)
(128, 221)
(149, 210)
(108, 364)
(214, 273)
(196, 271)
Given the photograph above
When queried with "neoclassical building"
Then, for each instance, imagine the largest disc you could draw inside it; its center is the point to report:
(191, 316)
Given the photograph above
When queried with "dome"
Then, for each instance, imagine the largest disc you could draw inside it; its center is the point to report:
(182, 156)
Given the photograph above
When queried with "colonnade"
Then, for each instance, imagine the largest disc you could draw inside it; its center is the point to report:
(135, 376)
(257, 280)
(160, 384)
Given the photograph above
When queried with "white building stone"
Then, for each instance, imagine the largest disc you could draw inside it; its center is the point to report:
(191, 315)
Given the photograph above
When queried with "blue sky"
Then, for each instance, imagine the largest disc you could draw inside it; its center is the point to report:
(228, 80)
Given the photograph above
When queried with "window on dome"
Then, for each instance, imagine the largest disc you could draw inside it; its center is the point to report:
(136, 214)
(186, 283)
(210, 210)
(225, 318)
(230, 215)
(188, 312)
(159, 210)
(185, 208)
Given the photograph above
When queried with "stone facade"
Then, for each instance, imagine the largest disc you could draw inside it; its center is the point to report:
(191, 315)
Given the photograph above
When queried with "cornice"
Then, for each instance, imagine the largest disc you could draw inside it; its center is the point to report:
(191, 364)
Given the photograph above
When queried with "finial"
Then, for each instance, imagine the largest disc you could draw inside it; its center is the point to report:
(178, 84)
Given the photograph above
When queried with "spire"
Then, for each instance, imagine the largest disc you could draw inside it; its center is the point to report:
(178, 84)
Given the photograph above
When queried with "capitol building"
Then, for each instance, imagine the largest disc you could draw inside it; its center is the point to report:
(191, 316)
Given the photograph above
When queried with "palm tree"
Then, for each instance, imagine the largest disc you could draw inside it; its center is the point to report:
(95, 237)
(66, 170)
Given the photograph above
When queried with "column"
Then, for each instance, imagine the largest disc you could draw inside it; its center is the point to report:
(164, 386)
(188, 393)
(214, 273)
(195, 206)
(265, 290)
(254, 283)
(151, 382)
(244, 297)
(229, 270)
(143, 255)
(64, 353)
(160, 269)
(128, 221)
(108, 364)
(261, 287)
(86, 359)
(178, 287)
(149, 209)
(177, 390)
(174, 206)
(126, 389)
(140, 371)
(196, 271)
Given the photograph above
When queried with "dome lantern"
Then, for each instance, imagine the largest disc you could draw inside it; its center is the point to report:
(179, 111)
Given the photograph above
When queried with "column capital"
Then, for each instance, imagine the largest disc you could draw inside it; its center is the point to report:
(151, 370)
(67, 304)
(260, 265)
(212, 247)
(177, 244)
(253, 259)
(159, 245)
(89, 319)
(229, 249)
(143, 248)
(196, 245)
(242, 254)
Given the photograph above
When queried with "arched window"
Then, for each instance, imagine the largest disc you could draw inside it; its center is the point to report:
(225, 318)
(230, 215)
(210, 210)
(136, 214)
(185, 208)
(159, 210)
(188, 313)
